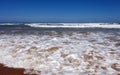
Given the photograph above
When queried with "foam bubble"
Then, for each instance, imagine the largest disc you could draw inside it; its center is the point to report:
(78, 53)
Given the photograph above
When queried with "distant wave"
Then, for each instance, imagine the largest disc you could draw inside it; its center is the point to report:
(11, 23)
(67, 25)
(75, 25)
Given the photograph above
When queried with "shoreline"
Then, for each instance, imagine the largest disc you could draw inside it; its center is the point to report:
(61, 52)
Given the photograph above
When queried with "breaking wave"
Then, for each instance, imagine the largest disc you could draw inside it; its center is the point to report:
(68, 25)
(74, 25)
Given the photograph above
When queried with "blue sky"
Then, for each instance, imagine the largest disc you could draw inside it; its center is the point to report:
(59, 10)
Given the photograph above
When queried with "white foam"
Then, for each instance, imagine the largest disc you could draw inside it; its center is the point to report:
(75, 25)
(10, 23)
(75, 54)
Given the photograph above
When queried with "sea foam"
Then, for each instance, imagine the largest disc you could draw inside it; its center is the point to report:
(74, 25)
(73, 53)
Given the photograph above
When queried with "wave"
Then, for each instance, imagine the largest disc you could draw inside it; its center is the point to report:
(11, 24)
(68, 25)
(74, 25)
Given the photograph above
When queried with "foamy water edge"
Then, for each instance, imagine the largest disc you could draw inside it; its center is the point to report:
(76, 53)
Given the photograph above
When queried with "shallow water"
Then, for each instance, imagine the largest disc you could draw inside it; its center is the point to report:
(61, 51)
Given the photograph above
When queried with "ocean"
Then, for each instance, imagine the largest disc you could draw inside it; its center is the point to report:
(61, 48)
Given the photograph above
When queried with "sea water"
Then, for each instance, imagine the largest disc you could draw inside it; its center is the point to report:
(63, 49)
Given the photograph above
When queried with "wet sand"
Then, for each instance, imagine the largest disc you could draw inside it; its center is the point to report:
(12, 71)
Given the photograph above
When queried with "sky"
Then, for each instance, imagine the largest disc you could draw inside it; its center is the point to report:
(60, 11)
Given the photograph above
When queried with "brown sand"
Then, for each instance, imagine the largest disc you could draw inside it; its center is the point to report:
(11, 71)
